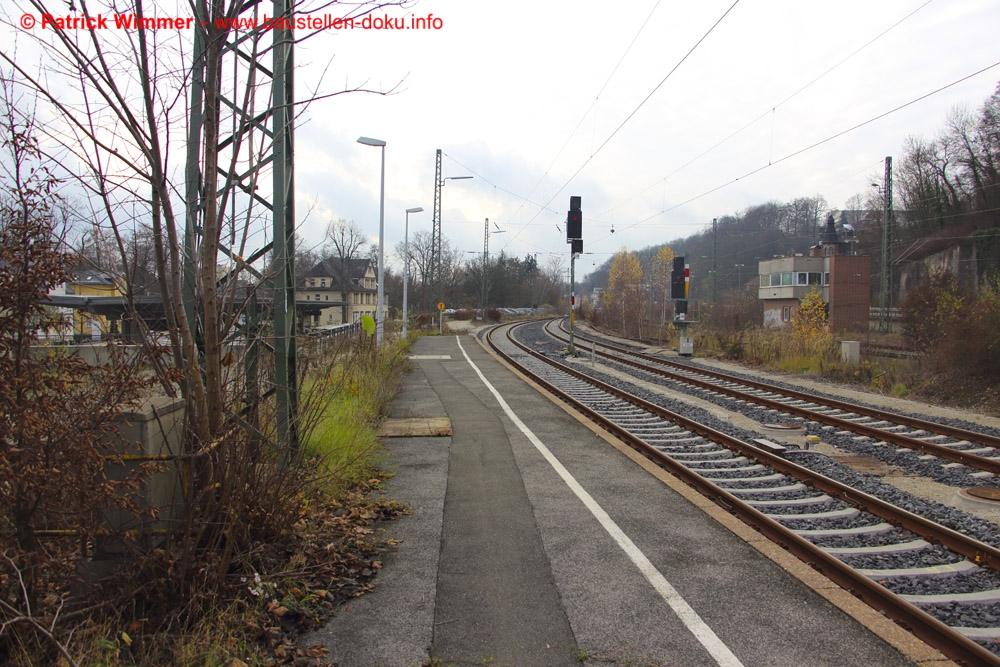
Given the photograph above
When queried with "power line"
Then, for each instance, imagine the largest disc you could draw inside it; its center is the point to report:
(579, 123)
(546, 206)
(814, 145)
(643, 102)
(773, 109)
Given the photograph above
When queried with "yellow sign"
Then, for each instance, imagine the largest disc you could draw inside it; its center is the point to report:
(440, 305)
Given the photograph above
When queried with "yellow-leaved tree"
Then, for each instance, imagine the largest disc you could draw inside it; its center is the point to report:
(622, 301)
(811, 320)
(663, 264)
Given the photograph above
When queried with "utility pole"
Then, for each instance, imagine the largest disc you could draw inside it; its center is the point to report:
(436, 279)
(236, 150)
(715, 257)
(486, 263)
(436, 236)
(572, 301)
(885, 286)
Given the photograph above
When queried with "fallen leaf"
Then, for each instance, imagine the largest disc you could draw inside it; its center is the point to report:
(317, 651)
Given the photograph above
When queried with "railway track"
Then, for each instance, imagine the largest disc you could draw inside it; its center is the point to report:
(980, 451)
(888, 351)
(928, 577)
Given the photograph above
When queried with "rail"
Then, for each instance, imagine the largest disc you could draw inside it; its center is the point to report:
(931, 630)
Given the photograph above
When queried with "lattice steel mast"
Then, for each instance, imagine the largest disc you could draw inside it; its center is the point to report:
(435, 280)
(244, 171)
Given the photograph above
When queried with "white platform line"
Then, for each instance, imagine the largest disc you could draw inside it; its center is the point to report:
(687, 615)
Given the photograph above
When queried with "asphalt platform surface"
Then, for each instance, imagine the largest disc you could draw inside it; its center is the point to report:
(502, 562)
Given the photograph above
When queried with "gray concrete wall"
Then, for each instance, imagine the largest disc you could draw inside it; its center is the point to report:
(157, 427)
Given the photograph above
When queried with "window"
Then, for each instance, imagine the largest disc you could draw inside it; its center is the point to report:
(826, 278)
(786, 278)
(307, 297)
(815, 278)
(317, 297)
(312, 283)
(765, 280)
(802, 278)
(327, 297)
(322, 282)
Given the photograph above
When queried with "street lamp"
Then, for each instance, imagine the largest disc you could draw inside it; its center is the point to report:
(406, 262)
(379, 319)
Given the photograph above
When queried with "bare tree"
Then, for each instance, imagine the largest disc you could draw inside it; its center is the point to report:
(122, 102)
(126, 107)
(420, 247)
(345, 242)
(552, 280)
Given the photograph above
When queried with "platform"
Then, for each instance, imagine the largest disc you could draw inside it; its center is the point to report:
(517, 550)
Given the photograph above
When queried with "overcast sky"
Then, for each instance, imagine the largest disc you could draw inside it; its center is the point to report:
(661, 114)
(627, 109)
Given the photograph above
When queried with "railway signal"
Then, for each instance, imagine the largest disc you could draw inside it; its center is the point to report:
(574, 237)
(574, 221)
(680, 288)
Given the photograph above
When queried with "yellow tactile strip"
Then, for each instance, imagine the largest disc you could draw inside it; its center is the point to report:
(415, 427)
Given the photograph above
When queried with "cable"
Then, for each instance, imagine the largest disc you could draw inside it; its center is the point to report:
(773, 109)
(541, 207)
(587, 112)
(815, 145)
(643, 102)
(627, 118)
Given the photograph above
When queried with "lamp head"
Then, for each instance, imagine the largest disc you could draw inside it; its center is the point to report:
(414, 210)
(368, 141)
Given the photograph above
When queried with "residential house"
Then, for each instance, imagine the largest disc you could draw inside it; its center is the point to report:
(92, 282)
(337, 292)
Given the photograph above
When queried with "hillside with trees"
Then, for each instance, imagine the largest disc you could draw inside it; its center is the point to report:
(945, 261)
(946, 190)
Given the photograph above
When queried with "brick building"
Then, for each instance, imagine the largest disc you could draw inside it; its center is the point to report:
(843, 279)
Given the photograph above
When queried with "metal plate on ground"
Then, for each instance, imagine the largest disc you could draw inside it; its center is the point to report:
(785, 427)
(418, 357)
(415, 427)
(985, 493)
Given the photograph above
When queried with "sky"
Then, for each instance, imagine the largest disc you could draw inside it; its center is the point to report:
(660, 114)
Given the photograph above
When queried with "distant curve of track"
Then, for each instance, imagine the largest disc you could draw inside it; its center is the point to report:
(969, 448)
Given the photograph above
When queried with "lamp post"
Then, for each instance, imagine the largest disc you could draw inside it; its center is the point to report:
(406, 262)
(379, 318)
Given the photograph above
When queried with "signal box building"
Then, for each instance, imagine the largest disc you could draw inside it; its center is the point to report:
(842, 278)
